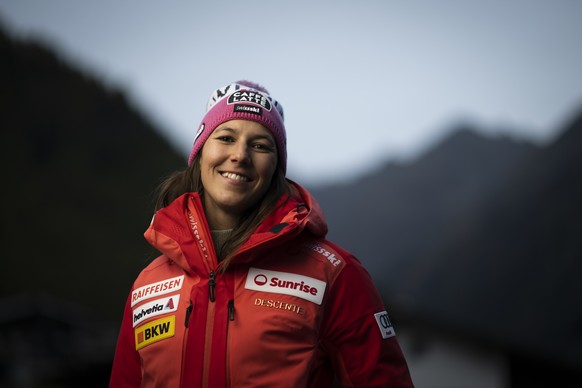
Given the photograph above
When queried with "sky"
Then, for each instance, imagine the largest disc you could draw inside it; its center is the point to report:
(362, 83)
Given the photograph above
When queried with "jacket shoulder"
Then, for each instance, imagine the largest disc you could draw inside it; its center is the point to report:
(335, 258)
(339, 259)
(160, 269)
(331, 252)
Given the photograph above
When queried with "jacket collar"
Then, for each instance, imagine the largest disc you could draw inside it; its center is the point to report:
(180, 230)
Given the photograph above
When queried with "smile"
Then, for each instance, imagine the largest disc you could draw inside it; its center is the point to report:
(235, 177)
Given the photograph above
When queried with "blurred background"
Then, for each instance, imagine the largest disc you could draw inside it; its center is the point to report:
(442, 139)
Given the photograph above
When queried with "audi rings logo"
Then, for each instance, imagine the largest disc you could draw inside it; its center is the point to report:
(260, 280)
(384, 321)
(384, 324)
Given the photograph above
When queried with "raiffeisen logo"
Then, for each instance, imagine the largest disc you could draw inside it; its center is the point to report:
(286, 283)
(155, 289)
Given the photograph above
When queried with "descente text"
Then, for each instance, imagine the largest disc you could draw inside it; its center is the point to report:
(276, 304)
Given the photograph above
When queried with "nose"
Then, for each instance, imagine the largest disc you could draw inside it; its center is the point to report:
(240, 153)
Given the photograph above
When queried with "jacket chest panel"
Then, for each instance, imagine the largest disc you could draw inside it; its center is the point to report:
(274, 305)
(159, 324)
(271, 331)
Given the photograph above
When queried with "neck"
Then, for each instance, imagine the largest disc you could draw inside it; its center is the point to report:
(218, 218)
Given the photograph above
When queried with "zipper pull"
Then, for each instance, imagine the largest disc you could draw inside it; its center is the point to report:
(188, 312)
(211, 286)
(231, 310)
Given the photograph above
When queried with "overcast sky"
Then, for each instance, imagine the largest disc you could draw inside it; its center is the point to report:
(361, 81)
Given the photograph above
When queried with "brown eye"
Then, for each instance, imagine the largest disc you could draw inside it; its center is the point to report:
(263, 147)
(227, 139)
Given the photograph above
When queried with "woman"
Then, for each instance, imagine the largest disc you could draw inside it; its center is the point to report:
(247, 291)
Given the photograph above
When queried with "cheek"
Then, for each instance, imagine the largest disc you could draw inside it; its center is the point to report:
(268, 168)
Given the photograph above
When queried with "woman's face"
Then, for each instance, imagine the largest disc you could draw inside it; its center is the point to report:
(237, 164)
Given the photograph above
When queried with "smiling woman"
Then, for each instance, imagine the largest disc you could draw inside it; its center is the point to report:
(237, 164)
(264, 299)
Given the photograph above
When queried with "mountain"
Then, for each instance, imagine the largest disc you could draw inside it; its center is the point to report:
(79, 164)
(404, 210)
(520, 258)
(479, 235)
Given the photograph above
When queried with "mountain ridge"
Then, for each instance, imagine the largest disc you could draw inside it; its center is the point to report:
(476, 227)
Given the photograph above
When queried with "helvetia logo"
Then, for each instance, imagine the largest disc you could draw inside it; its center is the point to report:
(155, 308)
(276, 282)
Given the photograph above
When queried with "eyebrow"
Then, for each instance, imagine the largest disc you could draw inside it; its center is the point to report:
(268, 136)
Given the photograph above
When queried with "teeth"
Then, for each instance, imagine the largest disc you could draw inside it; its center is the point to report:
(236, 177)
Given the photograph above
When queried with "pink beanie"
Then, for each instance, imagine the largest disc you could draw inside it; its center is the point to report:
(243, 100)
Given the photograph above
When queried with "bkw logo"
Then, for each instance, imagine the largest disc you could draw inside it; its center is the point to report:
(155, 331)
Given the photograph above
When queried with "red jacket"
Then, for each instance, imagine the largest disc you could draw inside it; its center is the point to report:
(291, 309)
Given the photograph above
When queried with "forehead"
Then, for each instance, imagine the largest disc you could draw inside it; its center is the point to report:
(246, 127)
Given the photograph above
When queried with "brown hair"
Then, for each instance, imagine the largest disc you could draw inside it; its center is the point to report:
(188, 180)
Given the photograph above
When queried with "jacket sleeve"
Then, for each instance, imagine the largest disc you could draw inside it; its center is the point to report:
(357, 334)
(126, 370)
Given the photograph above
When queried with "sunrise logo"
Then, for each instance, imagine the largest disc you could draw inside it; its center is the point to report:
(287, 283)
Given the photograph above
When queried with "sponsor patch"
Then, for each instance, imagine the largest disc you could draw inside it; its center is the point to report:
(155, 331)
(155, 308)
(335, 261)
(286, 283)
(248, 109)
(385, 325)
(155, 289)
(249, 97)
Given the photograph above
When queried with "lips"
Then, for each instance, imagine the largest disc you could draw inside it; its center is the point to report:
(235, 177)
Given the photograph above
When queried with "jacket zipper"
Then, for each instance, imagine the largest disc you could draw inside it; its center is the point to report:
(209, 327)
(209, 258)
(188, 312)
(212, 286)
(231, 310)
(228, 328)
(185, 337)
(208, 343)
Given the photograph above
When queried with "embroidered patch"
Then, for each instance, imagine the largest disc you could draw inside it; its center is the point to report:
(155, 289)
(155, 331)
(384, 324)
(248, 109)
(249, 96)
(335, 261)
(155, 308)
(286, 283)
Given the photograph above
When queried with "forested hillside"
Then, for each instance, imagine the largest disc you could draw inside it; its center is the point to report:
(79, 165)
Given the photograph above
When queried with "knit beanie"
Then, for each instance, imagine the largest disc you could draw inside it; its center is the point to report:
(243, 100)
